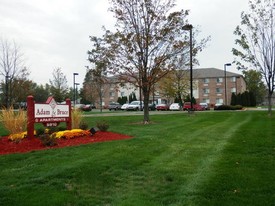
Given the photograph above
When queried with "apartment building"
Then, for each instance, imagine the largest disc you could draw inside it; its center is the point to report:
(210, 85)
(214, 86)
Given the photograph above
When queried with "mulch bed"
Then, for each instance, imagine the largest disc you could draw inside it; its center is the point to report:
(31, 144)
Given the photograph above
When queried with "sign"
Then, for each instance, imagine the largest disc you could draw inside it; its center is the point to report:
(50, 113)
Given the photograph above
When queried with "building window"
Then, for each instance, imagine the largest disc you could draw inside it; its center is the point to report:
(219, 90)
(219, 101)
(206, 91)
(122, 94)
(206, 80)
(233, 90)
(112, 94)
(219, 80)
(206, 100)
(233, 79)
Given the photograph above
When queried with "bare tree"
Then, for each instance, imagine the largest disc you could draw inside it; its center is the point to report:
(59, 87)
(94, 85)
(256, 41)
(12, 68)
(147, 37)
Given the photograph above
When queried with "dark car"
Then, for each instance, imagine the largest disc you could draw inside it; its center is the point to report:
(152, 107)
(114, 106)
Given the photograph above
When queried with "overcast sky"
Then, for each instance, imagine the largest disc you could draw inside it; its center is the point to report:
(55, 33)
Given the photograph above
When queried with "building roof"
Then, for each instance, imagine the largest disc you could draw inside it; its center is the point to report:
(212, 73)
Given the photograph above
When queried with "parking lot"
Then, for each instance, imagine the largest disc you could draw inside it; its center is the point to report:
(106, 112)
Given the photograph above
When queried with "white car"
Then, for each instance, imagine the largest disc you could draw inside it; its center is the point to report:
(124, 106)
(175, 107)
(205, 106)
(135, 105)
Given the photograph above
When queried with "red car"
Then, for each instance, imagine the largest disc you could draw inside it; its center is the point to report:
(196, 107)
(164, 107)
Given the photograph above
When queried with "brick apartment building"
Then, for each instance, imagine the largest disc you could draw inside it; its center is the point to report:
(208, 87)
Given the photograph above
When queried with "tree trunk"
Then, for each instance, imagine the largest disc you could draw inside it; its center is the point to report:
(269, 98)
(146, 95)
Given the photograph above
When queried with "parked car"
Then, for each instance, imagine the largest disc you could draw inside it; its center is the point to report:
(217, 106)
(186, 106)
(78, 106)
(164, 107)
(196, 107)
(135, 105)
(175, 107)
(152, 107)
(124, 106)
(114, 106)
(86, 108)
(205, 106)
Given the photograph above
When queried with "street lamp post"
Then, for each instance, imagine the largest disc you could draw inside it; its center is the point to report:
(7, 90)
(74, 74)
(225, 88)
(76, 91)
(189, 27)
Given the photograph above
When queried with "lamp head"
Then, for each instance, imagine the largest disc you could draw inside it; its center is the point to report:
(187, 27)
(228, 64)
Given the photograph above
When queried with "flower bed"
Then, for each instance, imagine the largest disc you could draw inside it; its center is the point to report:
(31, 144)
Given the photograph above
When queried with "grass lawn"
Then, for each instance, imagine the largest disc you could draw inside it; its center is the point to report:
(209, 158)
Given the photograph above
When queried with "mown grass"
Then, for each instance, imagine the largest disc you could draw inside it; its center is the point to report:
(213, 158)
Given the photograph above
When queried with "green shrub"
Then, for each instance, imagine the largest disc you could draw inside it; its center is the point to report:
(83, 125)
(40, 131)
(229, 107)
(62, 128)
(102, 125)
(48, 140)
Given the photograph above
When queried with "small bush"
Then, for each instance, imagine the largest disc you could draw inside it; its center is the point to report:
(48, 140)
(83, 125)
(53, 129)
(229, 107)
(40, 131)
(62, 128)
(237, 107)
(102, 125)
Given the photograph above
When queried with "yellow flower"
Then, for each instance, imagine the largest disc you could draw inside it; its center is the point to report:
(69, 134)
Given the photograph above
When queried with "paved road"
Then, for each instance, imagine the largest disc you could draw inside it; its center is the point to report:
(96, 112)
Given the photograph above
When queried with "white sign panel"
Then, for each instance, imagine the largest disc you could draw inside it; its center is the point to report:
(47, 111)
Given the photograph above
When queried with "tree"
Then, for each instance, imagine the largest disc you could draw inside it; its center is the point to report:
(146, 39)
(254, 83)
(132, 97)
(20, 88)
(175, 85)
(256, 41)
(59, 88)
(12, 68)
(122, 100)
(94, 86)
(41, 92)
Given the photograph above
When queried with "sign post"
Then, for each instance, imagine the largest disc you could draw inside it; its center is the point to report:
(50, 114)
